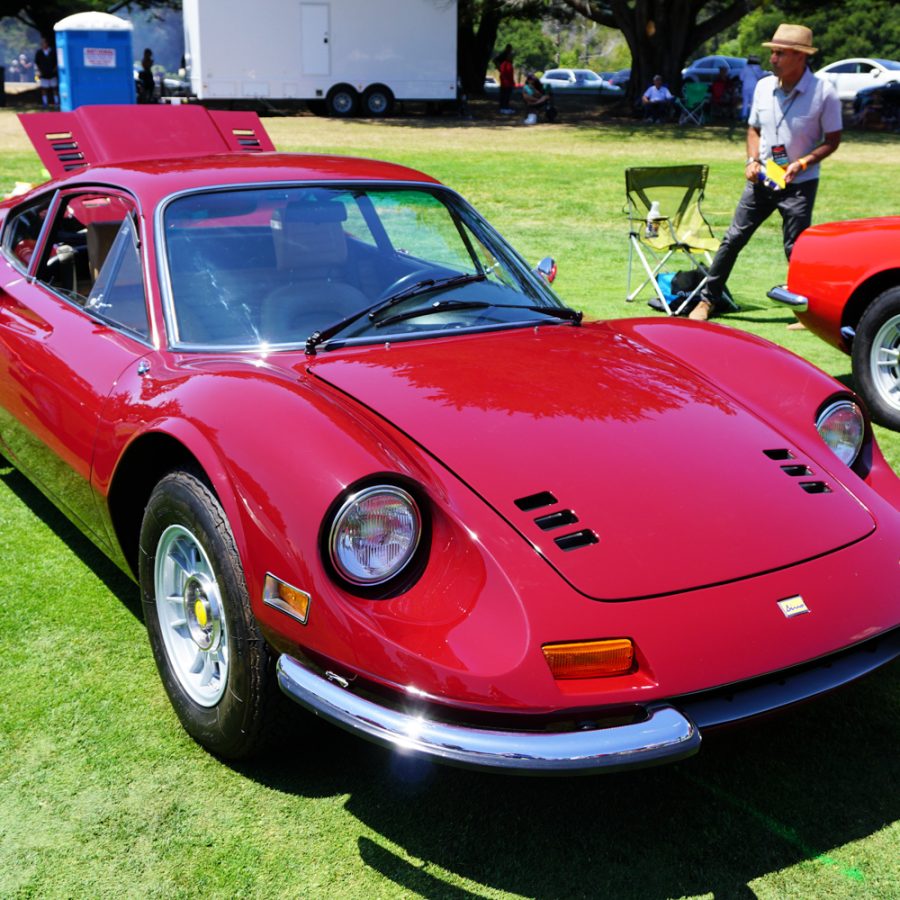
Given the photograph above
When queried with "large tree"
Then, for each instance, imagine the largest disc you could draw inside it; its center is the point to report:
(662, 34)
(42, 15)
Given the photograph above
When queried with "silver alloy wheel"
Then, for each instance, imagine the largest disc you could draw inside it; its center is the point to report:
(885, 362)
(191, 616)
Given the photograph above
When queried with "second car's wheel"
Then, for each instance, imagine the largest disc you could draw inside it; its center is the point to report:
(378, 101)
(876, 358)
(342, 101)
(213, 661)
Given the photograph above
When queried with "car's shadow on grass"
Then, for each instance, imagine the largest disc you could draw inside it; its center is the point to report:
(115, 581)
(794, 788)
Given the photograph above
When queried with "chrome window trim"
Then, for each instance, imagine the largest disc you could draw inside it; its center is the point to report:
(60, 195)
(165, 282)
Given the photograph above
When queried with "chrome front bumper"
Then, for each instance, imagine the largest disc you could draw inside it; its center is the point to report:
(797, 302)
(664, 736)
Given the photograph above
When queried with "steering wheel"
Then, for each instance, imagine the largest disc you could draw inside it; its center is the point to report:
(411, 278)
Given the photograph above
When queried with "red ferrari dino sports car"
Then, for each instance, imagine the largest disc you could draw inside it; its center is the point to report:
(349, 443)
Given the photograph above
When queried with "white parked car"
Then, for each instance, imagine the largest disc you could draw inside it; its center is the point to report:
(852, 75)
(578, 79)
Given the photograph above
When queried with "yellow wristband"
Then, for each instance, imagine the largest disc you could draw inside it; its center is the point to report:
(803, 162)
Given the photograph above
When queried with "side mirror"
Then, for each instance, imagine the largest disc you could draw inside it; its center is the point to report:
(546, 269)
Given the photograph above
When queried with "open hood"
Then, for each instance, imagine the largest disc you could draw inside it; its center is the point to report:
(653, 480)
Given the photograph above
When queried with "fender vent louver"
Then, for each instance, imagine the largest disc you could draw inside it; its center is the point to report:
(65, 146)
(576, 540)
(815, 487)
(247, 139)
(535, 501)
(779, 454)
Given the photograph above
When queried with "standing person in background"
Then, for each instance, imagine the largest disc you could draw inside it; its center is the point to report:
(26, 68)
(750, 75)
(504, 63)
(48, 76)
(796, 122)
(146, 82)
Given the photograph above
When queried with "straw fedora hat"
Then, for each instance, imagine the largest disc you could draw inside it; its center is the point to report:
(792, 37)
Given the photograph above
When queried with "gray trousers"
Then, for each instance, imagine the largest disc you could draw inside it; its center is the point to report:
(757, 203)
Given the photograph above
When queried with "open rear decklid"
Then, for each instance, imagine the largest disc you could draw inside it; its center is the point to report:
(95, 135)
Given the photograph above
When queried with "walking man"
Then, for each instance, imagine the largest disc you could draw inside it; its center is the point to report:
(795, 120)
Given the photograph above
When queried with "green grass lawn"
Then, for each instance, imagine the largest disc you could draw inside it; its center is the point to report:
(102, 794)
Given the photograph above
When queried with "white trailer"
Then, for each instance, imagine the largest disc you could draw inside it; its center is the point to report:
(349, 55)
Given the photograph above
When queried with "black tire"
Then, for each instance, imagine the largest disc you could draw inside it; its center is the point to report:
(378, 101)
(186, 543)
(876, 358)
(342, 101)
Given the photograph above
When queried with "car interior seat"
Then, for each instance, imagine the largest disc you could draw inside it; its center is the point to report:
(311, 248)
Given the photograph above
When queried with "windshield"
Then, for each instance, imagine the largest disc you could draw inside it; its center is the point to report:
(273, 267)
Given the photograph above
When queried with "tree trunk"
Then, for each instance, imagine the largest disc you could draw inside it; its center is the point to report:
(475, 43)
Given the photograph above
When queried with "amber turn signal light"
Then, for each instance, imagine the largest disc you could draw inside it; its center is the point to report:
(290, 600)
(590, 659)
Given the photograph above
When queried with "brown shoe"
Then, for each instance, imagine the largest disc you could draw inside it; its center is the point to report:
(796, 326)
(701, 312)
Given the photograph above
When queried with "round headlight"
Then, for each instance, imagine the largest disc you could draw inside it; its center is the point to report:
(374, 535)
(842, 426)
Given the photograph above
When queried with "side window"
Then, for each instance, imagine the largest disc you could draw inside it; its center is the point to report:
(23, 228)
(79, 240)
(118, 293)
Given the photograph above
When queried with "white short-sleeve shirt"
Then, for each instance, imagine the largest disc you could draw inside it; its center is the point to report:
(798, 119)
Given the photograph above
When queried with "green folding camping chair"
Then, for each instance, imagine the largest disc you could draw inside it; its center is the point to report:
(665, 220)
(693, 103)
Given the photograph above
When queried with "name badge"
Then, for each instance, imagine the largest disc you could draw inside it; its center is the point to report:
(779, 154)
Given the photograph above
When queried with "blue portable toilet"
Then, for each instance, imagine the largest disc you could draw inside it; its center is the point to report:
(96, 65)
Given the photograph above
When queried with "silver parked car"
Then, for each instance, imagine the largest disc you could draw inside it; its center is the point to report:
(850, 76)
(578, 79)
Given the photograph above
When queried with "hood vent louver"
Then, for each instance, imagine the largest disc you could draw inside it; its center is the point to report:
(535, 501)
(576, 540)
(798, 470)
(556, 520)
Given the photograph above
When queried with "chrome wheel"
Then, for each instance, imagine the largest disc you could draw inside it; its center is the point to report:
(191, 616)
(885, 362)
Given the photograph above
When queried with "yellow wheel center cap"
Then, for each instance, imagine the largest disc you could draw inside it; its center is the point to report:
(200, 613)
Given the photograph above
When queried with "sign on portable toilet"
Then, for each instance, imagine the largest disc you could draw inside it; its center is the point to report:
(96, 65)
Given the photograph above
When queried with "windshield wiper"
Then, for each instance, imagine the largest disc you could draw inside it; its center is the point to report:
(558, 312)
(426, 285)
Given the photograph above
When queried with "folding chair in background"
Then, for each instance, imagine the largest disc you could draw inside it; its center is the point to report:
(664, 221)
(693, 103)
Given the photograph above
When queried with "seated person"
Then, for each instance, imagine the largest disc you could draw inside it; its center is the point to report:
(535, 97)
(721, 95)
(657, 101)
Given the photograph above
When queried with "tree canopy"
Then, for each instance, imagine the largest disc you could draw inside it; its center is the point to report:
(42, 15)
(662, 34)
